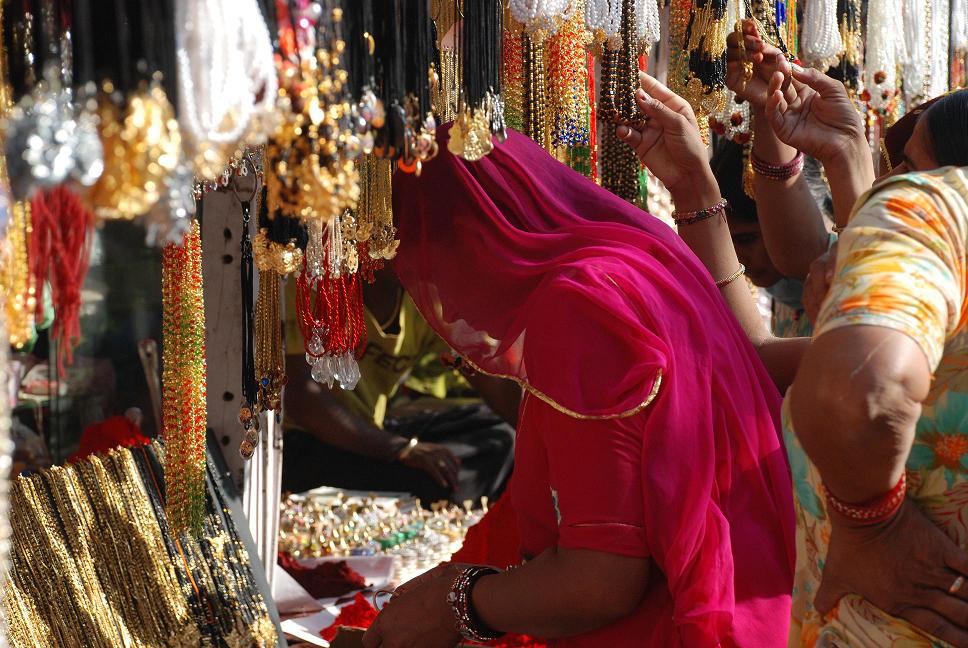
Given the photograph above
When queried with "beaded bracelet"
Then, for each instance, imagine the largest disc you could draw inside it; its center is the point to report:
(467, 623)
(689, 218)
(779, 172)
(873, 511)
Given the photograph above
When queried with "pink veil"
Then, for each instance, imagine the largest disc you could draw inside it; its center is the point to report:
(533, 272)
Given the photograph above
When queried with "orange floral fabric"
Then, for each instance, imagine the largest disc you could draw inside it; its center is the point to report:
(901, 265)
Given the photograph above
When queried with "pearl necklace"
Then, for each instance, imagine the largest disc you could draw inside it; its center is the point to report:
(225, 60)
(938, 56)
(821, 44)
(603, 18)
(959, 25)
(885, 48)
(538, 15)
(648, 27)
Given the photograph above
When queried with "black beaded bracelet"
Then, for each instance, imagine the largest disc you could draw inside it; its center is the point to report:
(459, 598)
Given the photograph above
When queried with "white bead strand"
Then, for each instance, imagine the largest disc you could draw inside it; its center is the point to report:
(821, 45)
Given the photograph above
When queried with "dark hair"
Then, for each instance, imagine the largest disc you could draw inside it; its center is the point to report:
(727, 166)
(947, 124)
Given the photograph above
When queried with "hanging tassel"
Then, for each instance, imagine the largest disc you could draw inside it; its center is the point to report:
(61, 251)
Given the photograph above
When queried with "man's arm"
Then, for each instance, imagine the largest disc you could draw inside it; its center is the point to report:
(313, 408)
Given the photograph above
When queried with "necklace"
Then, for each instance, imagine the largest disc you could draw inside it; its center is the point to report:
(183, 381)
(821, 44)
(225, 60)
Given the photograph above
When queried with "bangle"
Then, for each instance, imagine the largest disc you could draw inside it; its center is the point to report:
(731, 278)
(778, 172)
(467, 623)
(873, 511)
(688, 218)
(408, 449)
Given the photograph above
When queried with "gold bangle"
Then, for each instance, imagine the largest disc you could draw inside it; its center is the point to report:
(722, 283)
(408, 449)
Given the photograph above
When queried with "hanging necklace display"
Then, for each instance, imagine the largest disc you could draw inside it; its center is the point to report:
(331, 319)
(46, 141)
(481, 111)
(16, 280)
(733, 122)
(535, 106)
(278, 252)
(648, 26)
(309, 161)
(513, 77)
(849, 67)
(959, 43)
(420, 139)
(821, 44)
(249, 410)
(620, 69)
(884, 50)
(59, 251)
(568, 81)
(183, 382)
(225, 64)
(705, 40)
(368, 111)
(603, 18)
(541, 15)
(376, 209)
(141, 138)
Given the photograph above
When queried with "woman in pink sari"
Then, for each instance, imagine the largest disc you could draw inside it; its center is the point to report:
(651, 490)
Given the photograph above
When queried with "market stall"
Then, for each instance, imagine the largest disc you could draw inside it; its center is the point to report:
(172, 167)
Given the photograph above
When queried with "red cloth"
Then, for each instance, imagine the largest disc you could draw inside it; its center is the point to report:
(529, 270)
(329, 579)
(358, 614)
(494, 540)
(115, 432)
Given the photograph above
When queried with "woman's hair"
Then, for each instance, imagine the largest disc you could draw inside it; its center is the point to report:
(947, 124)
(727, 165)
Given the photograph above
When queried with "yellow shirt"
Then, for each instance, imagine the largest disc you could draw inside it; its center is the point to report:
(388, 359)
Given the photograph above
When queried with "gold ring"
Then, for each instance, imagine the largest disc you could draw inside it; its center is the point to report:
(957, 585)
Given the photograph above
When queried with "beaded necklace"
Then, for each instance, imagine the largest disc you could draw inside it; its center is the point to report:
(183, 381)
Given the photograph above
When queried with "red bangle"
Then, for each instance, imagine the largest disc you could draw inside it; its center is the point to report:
(872, 511)
(777, 171)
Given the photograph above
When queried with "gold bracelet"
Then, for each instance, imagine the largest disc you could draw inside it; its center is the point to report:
(722, 283)
(408, 449)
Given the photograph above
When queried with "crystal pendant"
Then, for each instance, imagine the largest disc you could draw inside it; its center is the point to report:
(349, 372)
(316, 346)
(322, 372)
(252, 437)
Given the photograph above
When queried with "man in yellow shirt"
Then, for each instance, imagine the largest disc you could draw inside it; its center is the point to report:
(346, 439)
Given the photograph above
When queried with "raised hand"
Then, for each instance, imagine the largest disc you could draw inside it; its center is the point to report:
(818, 117)
(751, 64)
(669, 142)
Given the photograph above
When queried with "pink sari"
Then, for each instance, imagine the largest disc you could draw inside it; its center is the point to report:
(532, 272)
